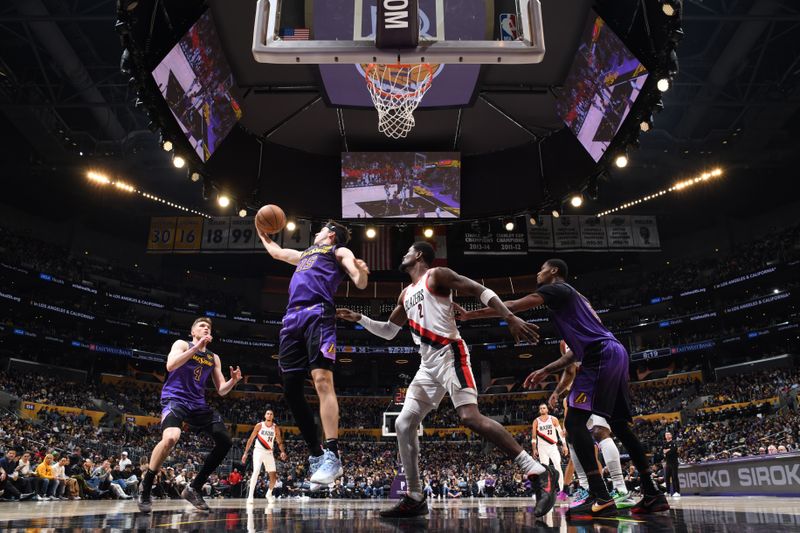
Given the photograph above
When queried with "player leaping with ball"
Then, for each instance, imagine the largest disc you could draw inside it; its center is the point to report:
(427, 306)
(308, 338)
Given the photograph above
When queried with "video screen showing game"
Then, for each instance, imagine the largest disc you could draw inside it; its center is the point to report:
(401, 185)
(195, 80)
(602, 86)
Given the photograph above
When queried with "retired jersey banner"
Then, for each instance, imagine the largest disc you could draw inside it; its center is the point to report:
(491, 238)
(203, 235)
(297, 239)
(645, 232)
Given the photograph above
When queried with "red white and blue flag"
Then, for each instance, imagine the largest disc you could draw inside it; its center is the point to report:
(295, 34)
(377, 252)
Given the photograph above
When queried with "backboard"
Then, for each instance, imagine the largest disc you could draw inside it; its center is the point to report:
(437, 45)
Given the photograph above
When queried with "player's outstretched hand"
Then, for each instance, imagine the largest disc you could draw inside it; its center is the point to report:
(534, 378)
(460, 313)
(552, 401)
(347, 314)
(236, 374)
(522, 331)
(362, 266)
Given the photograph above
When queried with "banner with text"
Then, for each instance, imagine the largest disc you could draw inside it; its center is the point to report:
(588, 233)
(205, 235)
(760, 475)
(492, 238)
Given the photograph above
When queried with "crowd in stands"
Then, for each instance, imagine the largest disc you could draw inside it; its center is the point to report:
(737, 388)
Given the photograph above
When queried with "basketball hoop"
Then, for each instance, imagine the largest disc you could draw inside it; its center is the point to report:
(396, 91)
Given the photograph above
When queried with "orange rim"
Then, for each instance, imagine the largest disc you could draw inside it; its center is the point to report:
(371, 67)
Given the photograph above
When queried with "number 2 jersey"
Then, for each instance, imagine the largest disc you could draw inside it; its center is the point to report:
(187, 383)
(433, 328)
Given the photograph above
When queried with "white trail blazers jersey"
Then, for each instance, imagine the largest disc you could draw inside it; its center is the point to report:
(433, 328)
(546, 432)
(266, 436)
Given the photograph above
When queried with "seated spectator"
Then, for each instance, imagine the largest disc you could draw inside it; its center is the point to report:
(47, 479)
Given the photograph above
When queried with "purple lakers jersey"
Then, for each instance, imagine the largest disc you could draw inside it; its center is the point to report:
(316, 278)
(574, 319)
(187, 383)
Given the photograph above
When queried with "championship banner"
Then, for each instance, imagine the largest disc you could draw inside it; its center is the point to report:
(593, 233)
(540, 236)
(567, 233)
(494, 239)
(760, 475)
(620, 235)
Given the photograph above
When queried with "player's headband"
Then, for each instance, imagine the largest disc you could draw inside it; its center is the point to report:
(342, 235)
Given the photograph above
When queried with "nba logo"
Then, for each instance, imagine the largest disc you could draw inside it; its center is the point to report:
(508, 27)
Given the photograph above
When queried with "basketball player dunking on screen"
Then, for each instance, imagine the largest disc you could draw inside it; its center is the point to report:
(601, 433)
(265, 434)
(308, 339)
(183, 398)
(600, 386)
(427, 306)
(545, 436)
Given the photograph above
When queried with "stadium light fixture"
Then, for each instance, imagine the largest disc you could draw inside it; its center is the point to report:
(195, 176)
(510, 225)
(621, 161)
(167, 145)
(371, 233)
(242, 213)
(428, 233)
(98, 177)
(178, 161)
(576, 200)
(663, 85)
(291, 226)
(223, 200)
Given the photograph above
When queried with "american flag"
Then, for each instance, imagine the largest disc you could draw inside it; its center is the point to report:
(295, 34)
(438, 241)
(377, 252)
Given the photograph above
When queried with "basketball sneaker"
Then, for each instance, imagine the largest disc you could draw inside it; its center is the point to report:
(329, 469)
(579, 497)
(313, 466)
(651, 504)
(622, 500)
(145, 503)
(408, 507)
(545, 488)
(194, 497)
(593, 506)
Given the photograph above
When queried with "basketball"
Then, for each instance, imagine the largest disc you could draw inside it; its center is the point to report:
(270, 219)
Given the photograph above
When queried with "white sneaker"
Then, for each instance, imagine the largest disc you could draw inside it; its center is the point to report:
(329, 470)
(271, 498)
(676, 495)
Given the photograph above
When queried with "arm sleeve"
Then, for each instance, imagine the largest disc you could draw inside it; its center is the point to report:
(555, 295)
(386, 330)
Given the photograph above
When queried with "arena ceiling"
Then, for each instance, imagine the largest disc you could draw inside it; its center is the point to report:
(734, 103)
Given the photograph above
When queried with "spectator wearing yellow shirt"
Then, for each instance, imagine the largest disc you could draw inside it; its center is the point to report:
(47, 478)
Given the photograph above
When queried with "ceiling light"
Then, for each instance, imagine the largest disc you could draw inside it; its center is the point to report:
(291, 226)
(510, 225)
(621, 161)
(663, 85)
(556, 213)
(195, 176)
(223, 201)
(371, 233)
(167, 146)
(242, 213)
(576, 200)
(533, 220)
(98, 177)
(428, 233)
(178, 161)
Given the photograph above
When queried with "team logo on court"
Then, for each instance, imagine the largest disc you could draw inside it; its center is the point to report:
(581, 398)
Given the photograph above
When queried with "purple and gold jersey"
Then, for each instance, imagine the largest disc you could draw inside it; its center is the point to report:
(187, 383)
(574, 319)
(316, 278)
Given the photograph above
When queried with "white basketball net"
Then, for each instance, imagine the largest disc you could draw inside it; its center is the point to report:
(396, 91)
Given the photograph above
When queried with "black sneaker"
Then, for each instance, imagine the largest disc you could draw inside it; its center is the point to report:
(194, 497)
(594, 507)
(651, 504)
(145, 503)
(546, 490)
(407, 508)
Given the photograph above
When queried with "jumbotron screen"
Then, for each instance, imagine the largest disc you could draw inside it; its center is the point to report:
(195, 80)
(401, 185)
(601, 87)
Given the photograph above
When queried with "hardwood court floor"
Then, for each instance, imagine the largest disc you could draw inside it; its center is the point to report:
(702, 514)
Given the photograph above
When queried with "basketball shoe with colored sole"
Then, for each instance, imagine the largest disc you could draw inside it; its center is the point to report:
(651, 504)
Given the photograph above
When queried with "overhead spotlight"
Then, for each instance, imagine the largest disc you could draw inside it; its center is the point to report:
(670, 7)
(178, 161)
(242, 213)
(621, 161)
(291, 226)
(510, 225)
(98, 177)
(556, 213)
(646, 124)
(534, 220)
(195, 176)
(223, 200)
(371, 233)
(131, 5)
(663, 85)
(167, 145)
(428, 233)
(576, 200)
